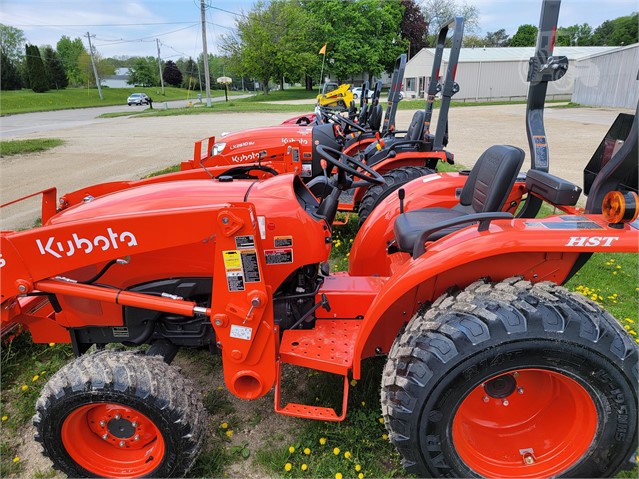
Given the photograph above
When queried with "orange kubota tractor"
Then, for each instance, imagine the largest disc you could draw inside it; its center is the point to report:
(493, 368)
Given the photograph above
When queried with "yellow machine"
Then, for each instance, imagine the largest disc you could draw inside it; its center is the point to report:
(334, 96)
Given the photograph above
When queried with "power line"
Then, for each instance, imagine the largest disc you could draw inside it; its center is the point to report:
(103, 24)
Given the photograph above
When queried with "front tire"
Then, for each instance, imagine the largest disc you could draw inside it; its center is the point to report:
(512, 380)
(120, 414)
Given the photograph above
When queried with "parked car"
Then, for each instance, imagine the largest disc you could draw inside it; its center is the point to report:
(357, 93)
(138, 99)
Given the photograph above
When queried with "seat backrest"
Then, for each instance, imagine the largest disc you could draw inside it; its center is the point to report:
(362, 118)
(416, 127)
(375, 117)
(491, 179)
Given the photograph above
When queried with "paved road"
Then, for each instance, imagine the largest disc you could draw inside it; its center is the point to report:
(16, 126)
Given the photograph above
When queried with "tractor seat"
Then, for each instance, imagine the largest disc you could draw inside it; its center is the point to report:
(375, 117)
(486, 190)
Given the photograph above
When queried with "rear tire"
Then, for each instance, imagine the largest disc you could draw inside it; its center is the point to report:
(393, 180)
(120, 414)
(512, 380)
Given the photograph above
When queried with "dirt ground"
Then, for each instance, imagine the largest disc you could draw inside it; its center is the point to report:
(129, 148)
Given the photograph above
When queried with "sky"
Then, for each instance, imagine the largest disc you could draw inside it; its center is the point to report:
(130, 28)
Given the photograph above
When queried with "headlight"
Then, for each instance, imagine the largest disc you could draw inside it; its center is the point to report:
(218, 148)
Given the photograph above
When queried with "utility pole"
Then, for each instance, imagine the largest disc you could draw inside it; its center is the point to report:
(160, 66)
(207, 78)
(95, 70)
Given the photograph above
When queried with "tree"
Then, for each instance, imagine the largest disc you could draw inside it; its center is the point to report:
(437, 12)
(144, 72)
(577, 35)
(413, 27)
(497, 39)
(35, 69)
(9, 74)
(620, 31)
(12, 43)
(526, 36)
(473, 41)
(190, 73)
(55, 71)
(172, 74)
(70, 52)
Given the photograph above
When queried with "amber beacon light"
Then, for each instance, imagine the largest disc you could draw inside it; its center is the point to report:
(618, 207)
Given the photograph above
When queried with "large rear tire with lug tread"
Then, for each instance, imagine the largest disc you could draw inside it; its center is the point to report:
(512, 380)
(393, 180)
(120, 414)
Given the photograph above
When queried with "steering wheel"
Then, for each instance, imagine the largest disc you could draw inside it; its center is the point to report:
(348, 121)
(340, 160)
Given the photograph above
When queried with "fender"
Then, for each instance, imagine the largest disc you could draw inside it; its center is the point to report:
(536, 249)
(368, 254)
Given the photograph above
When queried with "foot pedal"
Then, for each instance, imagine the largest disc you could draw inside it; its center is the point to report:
(309, 412)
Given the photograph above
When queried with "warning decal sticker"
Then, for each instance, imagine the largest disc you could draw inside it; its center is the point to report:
(279, 256)
(244, 242)
(233, 267)
(283, 241)
(250, 266)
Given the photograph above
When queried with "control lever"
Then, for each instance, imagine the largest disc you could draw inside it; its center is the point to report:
(402, 194)
(323, 303)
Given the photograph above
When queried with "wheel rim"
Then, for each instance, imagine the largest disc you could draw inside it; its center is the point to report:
(527, 423)
(112, 440)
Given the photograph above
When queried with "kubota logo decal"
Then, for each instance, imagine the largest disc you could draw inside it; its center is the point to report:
(70, 247)
(591, 240)
(301, 141)
(2, 261)
(243, 157)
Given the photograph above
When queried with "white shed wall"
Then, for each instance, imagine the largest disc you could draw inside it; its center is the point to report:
(609, 79)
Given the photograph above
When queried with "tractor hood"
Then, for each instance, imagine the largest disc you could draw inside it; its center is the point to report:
(246, 146)
(174, 195)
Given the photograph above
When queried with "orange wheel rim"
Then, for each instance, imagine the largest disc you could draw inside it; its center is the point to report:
(528, 423)
(112, 440)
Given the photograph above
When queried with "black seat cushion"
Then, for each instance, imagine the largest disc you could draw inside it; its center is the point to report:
(375, 117)
(416, 127)
(485, 190)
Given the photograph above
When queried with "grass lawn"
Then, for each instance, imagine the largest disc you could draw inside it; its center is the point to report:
(17, 147)
(26, 101)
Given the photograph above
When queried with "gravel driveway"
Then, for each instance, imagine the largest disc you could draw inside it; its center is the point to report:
(129, 147)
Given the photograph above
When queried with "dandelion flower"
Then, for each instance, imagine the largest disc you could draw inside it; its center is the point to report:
(288, 466)
(224, 425)
(347, 455)
(385, 437)
(51, 345)
(358, 467)
(307, 451)
(291, 449)
(363, 403)
(338, 475)
(229, 433)
(303, 467)
(24, 387)
(353, 383)
(336, 451)
(5, 417)
(360, 475)
(322, 440)
(381, 420)
(35, 378)
(16, 459)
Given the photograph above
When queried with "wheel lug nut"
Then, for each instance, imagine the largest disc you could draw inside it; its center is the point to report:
(117, 416)
(528, 459)
(505, 402)
(515, 374)
(105, 436)
(122, 443)
(134, 424)
(520, 390)
(486, 399)
(102, 423)
(136, 438)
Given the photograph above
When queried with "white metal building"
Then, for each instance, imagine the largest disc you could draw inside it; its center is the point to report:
(608, 78)
(486, 74)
